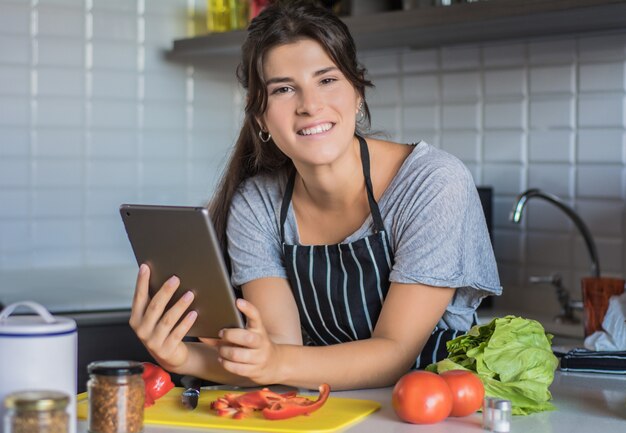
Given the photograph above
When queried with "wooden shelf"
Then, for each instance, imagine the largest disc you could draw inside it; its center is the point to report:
(437, 26)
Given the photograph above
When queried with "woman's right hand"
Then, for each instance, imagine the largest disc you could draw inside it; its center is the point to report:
(157, 328)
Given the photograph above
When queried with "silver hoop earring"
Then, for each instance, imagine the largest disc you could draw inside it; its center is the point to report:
(264, 139)
(360, 112)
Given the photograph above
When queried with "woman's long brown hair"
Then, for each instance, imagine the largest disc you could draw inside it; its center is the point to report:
(282, 22)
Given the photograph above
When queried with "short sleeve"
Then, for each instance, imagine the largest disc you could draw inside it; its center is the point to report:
(428, 237)
(254, 245)
(440, 237)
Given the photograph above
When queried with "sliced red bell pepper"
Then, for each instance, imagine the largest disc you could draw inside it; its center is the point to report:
(291, 407)
(156, 381)
(256, 399)
(273, 405)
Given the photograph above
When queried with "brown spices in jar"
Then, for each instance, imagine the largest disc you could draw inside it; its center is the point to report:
(116, 397)
(37, 412)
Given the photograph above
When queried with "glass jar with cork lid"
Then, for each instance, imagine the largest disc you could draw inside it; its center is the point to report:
(36, 411)
(116, 396)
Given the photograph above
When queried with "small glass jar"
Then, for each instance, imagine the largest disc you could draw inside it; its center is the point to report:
(497, 415)
(116, 395)
(36, 412)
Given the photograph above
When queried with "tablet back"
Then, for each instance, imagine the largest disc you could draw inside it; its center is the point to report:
(181, 241)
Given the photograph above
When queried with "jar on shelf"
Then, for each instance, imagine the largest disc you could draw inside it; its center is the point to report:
(116, 397)
(218, 16)
(36, 412)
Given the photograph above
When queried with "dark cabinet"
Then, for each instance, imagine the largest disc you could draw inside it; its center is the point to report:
(105, 336)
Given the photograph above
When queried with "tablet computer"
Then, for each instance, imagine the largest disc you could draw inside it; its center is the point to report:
(181, 241)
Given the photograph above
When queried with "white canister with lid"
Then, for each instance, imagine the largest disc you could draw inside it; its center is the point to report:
(38, 351)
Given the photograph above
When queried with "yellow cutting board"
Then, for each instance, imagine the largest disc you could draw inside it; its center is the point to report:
(335, 414)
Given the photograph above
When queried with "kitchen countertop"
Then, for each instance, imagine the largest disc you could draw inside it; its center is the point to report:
(586, 403)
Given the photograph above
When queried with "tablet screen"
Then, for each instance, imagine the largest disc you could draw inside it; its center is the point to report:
(181, 241)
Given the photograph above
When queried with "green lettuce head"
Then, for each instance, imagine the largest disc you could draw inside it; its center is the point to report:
(513, 358)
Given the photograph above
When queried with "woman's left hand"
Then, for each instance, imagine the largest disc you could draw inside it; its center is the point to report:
(248, 352)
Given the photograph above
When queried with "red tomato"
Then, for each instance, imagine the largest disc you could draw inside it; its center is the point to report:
(467, 391)
(422, 397)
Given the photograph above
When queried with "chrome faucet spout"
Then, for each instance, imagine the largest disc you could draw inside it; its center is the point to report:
(522, 199)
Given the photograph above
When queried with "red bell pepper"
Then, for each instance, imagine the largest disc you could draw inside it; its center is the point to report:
(156, 381)
(296, 406)
(271, 404)
(256, 399)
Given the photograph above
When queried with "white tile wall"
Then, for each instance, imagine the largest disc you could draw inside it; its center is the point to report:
(15, 18)
(548, 249)
(420, 61)
(601, 109)
(505, 83)
(463, 144)
(603, 145)
(14, 111)
(605, 218)
(503, 54)
(553, 145)
(599, 181)
(65, 52)
(552, 112)
(602, 77)
(460, 116)
(547, 114)
(58, 21)
(552, 79)
(554, 178)
(460, 57)
(460, 86)
(555, 52)
(387, 91)
(544, 217)
(421, 88)
(509, 114)
(503, 146)
(14, 142)
(92, 115)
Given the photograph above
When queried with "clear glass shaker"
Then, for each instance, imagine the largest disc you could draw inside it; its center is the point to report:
(497, 415)
(36, 412)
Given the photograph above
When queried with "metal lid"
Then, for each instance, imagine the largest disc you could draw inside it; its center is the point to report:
(115, 368)
(498, 403)
(39, 325)
(40, 400)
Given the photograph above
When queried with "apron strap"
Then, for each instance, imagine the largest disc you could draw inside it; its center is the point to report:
(284, 207)
(365, 162)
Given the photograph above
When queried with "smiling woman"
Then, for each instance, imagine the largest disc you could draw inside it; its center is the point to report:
(357, 258)
(311, 108)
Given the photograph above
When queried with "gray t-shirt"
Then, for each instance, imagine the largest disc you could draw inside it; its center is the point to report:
(431, 212)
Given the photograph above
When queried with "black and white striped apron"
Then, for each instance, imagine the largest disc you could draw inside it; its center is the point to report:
(340, 289)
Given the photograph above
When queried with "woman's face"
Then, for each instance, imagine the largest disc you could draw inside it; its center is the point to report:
(311, 108)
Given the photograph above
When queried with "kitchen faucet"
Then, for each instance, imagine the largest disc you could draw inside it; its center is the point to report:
(567, 306)
(516, 217)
